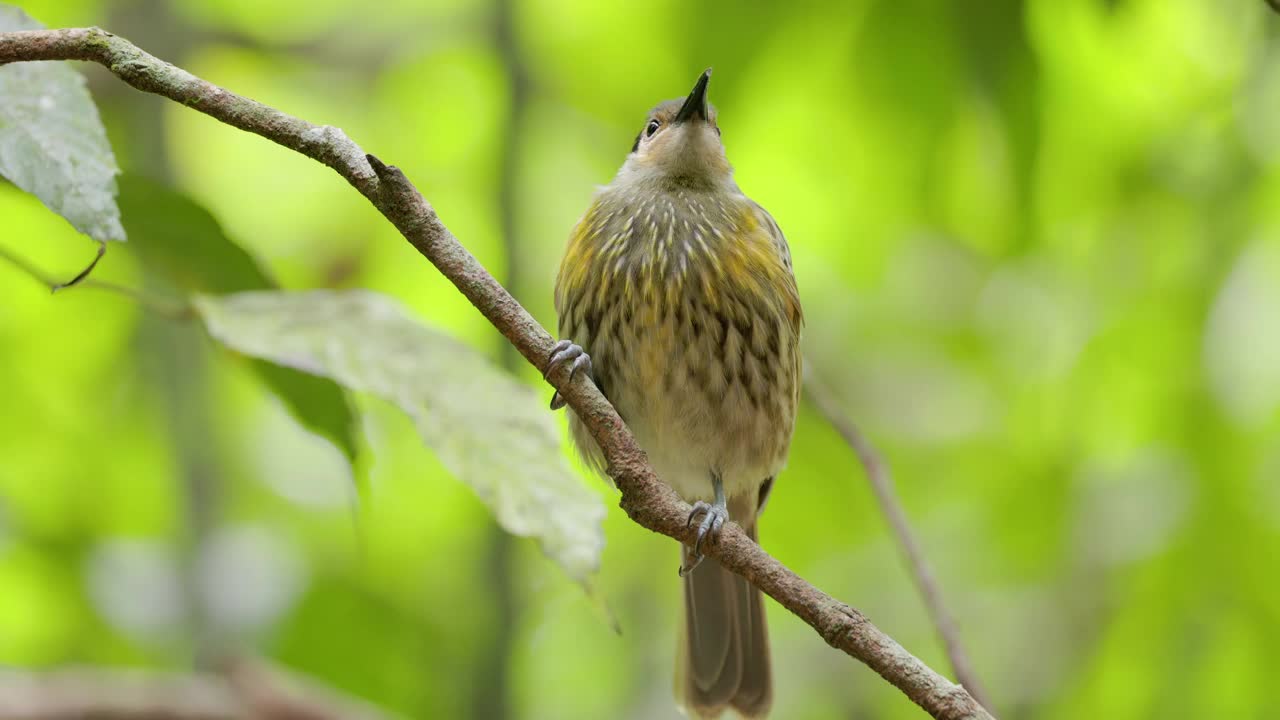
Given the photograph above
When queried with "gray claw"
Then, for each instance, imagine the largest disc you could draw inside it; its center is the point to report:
(713, 518)
(583, 363)
(693, 564)
(562, 352)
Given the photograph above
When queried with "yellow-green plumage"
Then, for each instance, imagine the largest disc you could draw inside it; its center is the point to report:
(686, 303)
(680, 289)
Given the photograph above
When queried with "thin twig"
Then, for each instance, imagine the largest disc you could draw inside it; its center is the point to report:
(887, 497)
(645, 498)
(159, 306)
(102, 250)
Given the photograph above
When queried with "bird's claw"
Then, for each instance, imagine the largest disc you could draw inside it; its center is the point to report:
(713, 519)
(562, 352)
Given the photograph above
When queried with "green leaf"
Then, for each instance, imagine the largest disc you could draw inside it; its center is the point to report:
(490, 430)
(52, 143)
(180, 240)
(318, 404)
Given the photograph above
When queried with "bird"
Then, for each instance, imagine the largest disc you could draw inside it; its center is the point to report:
(676, 295)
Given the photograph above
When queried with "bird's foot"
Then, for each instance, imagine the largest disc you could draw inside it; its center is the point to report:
(713, 519)
(563, 352)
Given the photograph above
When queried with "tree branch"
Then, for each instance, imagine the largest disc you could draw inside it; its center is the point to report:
(891, 507)
(645, 498)
(242, 690)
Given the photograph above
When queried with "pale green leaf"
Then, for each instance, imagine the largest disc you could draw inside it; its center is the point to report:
(491, 431)
(52, 143)
(181, 241)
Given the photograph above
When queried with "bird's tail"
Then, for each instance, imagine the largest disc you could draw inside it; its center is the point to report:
(723, 656)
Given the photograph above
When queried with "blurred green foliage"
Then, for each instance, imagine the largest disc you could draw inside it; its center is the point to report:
(1039, 248)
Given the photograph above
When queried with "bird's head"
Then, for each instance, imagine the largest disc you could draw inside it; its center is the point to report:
(680, 144)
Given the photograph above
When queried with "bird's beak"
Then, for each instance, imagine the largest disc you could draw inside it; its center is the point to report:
(695, 106)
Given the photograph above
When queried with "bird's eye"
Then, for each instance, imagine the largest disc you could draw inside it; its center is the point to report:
(652, 128)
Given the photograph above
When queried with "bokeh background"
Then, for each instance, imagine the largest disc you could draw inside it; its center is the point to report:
(1039, 248)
